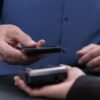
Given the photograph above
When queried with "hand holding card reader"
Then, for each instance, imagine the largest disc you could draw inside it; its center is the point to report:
(46, 76)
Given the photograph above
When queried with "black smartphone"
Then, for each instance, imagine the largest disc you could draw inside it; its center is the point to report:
(45, 76)
(41, 50)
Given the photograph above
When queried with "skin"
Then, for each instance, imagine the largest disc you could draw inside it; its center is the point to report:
(12, 37)
(56, 91)
(90, 56)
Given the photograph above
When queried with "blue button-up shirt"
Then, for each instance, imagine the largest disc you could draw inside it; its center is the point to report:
(72, 24)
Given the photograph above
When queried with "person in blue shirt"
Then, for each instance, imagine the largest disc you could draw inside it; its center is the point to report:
(71, 24)
(76, 86)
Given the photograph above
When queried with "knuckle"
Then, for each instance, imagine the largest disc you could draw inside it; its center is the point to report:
(93, 62)
(93, 45)
(98, 49)
(12, 28)
(15, 55)
(27, 36)
(75, 68)
(19, 55)
(93, 53)
(98, 60)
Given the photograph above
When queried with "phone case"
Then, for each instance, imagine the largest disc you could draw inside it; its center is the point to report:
(42, 50)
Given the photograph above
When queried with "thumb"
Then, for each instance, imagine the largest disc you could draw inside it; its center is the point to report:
(68, 68)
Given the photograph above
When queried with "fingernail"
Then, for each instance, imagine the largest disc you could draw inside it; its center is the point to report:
(43, 40)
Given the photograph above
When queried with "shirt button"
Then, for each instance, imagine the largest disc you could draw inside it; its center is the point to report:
(65, 18)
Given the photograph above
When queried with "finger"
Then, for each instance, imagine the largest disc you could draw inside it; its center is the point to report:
(7, 50)
(68, 68)
(94, 62)
(11, 60)
(24, 39)
(21, 84)
(85, 50)
(19, 46)
(30, 60)
(70, 72)
(90, 55)
(74, 73)
(97, 69)
(40, 43)
(51, 91)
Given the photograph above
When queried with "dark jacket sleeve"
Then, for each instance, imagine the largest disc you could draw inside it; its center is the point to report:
(85, 88)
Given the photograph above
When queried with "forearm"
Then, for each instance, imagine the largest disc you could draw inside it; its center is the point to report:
(84, 88)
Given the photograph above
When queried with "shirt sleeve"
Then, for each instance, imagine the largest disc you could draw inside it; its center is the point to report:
(85, 88)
